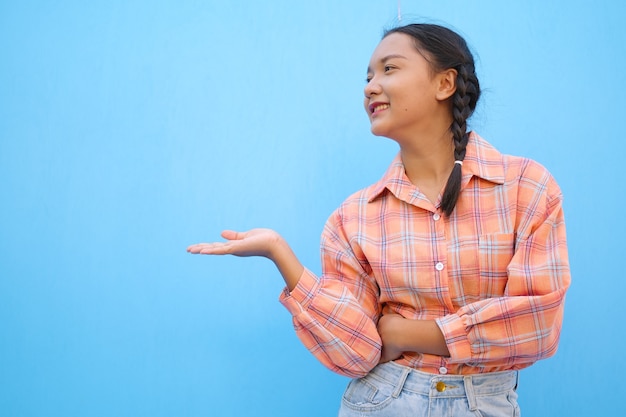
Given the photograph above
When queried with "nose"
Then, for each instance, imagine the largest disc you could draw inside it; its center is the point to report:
(372, 87)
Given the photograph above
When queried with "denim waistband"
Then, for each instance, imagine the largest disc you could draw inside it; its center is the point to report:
(470, 386)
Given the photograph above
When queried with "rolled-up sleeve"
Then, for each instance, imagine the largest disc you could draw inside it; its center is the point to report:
(335, 314)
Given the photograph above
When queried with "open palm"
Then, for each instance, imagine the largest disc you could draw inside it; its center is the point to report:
(254, 242)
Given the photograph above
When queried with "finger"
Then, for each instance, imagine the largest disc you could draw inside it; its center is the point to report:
(232, 235)
(207, 248)
(193, 248)
(196, 248)
(216, 249)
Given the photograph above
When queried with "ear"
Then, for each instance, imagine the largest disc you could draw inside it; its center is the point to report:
(446, 84)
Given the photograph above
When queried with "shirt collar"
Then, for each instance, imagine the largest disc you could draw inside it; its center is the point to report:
(481, 160)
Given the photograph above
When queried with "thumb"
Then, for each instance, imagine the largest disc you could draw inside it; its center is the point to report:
(232, 235)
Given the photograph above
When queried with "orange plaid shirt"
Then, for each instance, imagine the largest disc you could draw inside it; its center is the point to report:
(493, 275)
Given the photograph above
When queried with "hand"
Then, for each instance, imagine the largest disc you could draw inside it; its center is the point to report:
(255, 242)
(390, 327)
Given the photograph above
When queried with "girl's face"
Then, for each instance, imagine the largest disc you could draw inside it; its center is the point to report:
(403, 94)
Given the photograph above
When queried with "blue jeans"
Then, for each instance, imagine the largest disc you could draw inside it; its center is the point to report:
(392, 390)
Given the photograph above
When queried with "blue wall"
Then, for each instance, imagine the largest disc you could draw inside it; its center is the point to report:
(130, 129)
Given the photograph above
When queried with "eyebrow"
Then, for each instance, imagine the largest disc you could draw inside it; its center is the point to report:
(387, 58)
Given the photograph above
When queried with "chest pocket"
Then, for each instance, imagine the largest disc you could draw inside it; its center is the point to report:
(495, 252)
(482, 272)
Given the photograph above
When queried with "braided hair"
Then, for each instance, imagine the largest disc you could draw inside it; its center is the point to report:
(445, 49)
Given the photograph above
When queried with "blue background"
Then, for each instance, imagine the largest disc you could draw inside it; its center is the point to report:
(131, 129)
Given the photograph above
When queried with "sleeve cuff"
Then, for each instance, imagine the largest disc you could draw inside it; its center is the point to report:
(297, 300)
(457, 339)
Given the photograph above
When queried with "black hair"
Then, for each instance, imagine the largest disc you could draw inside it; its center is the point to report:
(445, 49)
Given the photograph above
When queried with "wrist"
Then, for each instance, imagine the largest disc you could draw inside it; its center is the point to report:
(276, 247)
(285, 260)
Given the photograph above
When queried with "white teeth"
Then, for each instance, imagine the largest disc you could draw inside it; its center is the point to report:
(381, 107)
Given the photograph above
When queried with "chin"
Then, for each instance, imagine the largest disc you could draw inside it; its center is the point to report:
(380, 131)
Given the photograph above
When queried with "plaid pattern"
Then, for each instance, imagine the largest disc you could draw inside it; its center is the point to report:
(493, 275)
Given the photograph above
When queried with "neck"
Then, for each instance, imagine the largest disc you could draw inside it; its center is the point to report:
(428, 159)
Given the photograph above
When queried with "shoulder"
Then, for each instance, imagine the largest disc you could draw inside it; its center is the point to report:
(531, 177)
(363, 206)
(529, 180)
(393, 180)
(487, 162)
(354, 204)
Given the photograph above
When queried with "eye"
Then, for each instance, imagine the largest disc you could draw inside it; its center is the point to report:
(368, 79)
(389, 68)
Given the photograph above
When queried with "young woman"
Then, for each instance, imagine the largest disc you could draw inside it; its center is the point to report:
(448, 275)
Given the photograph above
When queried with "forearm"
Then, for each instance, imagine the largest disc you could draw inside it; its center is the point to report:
(287, 262)
(405, 335)
(423, 336)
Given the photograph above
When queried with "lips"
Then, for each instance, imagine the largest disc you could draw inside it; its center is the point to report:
(377, 107)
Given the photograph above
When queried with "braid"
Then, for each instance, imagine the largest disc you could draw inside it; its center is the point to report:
(463, 104)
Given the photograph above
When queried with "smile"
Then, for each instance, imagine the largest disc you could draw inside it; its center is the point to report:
(376, 107)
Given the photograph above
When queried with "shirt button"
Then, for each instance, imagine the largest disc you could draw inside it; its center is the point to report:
(436, 216)
(443, 370)
(439, 266)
